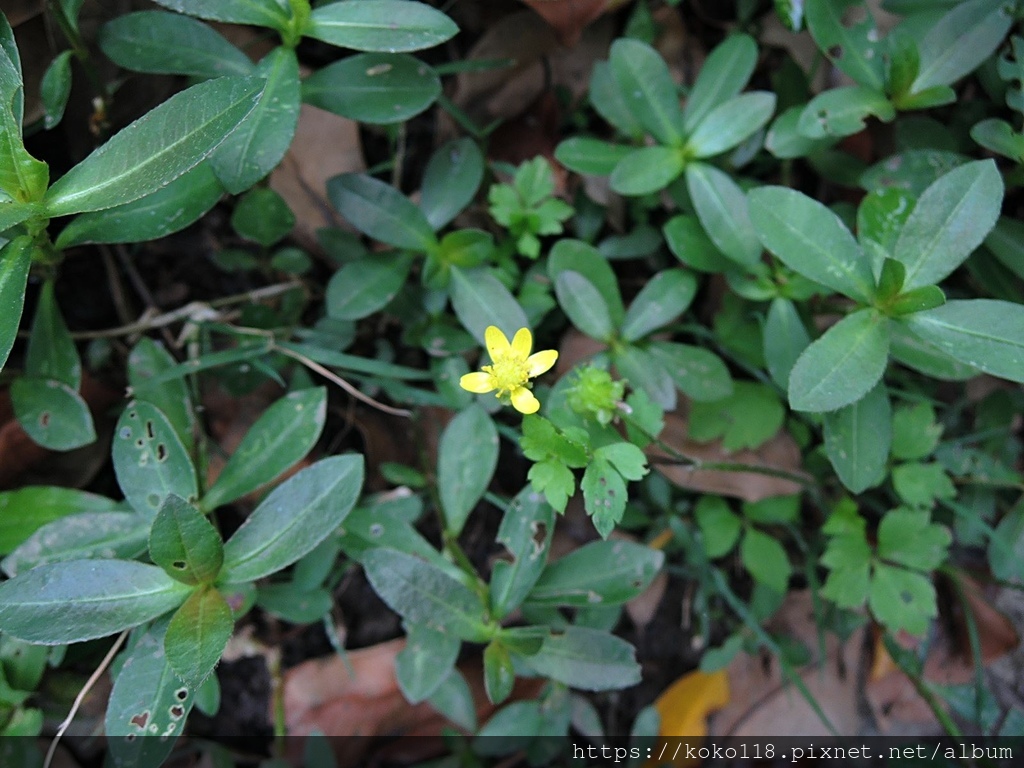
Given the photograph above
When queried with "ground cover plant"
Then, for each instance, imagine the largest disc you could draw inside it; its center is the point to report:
(674, 353)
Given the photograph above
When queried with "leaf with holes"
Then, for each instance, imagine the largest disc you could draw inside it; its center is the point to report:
(902, 599)
(197, 634)
(147, 360)
(526, 530)
(52, 414)
(184, 543)
(150, 460)
(279, 439)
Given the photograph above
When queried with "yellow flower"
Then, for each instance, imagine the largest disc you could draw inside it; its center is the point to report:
(512, 368)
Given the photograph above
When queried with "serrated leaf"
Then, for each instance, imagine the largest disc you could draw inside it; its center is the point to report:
(297, 515)
(719, 526)
(907, 537)
(84, 599)
(766, 559)
(467, 458)
(157, 148)
(184, 543)
(902, 599)
(555, 480)
(197, 634)
(628, 460)
(919, 485)
(280, 438)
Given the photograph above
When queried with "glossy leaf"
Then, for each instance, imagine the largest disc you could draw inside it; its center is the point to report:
(451, 181)
(293, 519)
(150, 460)
(53, 414)
(263, 13)
(731, 123)
(380, 211)
(584, 305)
(157, 148)
(164, 43)
(381, 25)
(857, 439)
(843, 365)
(951, 219)
(480, 300)
(197, 634)
(723, 75)
(168, 210)
(647, 89)
(467, 458)
(598, 573)
(423, 594)
(665, 296)
(257, 145)
(983, 333)
(280, 438)
(380, 88)
(722, 209)
(811, 240)
(184, 543)
(85, 599)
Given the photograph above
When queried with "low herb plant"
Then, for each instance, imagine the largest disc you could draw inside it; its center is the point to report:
(730, 302)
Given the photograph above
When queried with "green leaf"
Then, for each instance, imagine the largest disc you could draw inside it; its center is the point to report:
(257, 145)
(698, 373)
(157, 148)
(365, 286)
(1006, 546)
(646, 170)
(773, 510)
(919, 485)
(902, 599)
(426, 660)
(598, 573)
(587, 659)
(915, 433)
(381, 25)
(280, 438)
(555, 480)
(609, 101)
(766, 560)
(745, 419)
(857, 439)
(55, 89)
(466, 460)
(719, 526)
(53, 414)
(983, 333)
(12, 213)
(647, 89)
(662, 299)
(454, 700)
(785, 338)
(150, 460)
(423, 594)
(499, 673)
(1006, 241)
(585, 155)
(723, 75)
(451, 180)
(526, 531)
(24, 511)
(262, 13)
(627, 459)
(380, 211)
(168, 210)
(842, 112)
(576, 256)
(960, 41)
(380, 88)
(147, 360)
(164, 43)
(731, 123)
(916, 353)
(810, 239)
(848, 556)
(584, 305)
(644, 371)
(998, 136)
(262, 216)
(297, 515)
(148, 701)
(907, 537)
(197, 635)
(722, 209)
(951, 219)
(85, 599)
(51, 352)
(785, 141)
(480, 300)
(843, 365)
(185, 544)
(855, 49)
(80, 536)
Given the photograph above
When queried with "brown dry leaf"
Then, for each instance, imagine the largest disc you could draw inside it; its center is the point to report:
(569, 17)
(764, 702)
(778, 453)
(325, 145)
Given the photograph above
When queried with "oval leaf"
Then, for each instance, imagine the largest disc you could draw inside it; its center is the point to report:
(451, 180)
(724, 74)
(584, 305)
(81, 536)
(380, 211)
(665, 296)
(184, 543)
(857, 440)
(364, 286)
(722, 209)
(587, 659)
(480, 300)
(598, 573)
(381, 25)
(52, 414)
(729, 124)
(197, 634)
(647, 89)
(467, 458)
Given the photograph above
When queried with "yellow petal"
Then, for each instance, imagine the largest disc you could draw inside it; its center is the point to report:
(497, 343)
(478, 382)
(540, 362)
(524, 401)
(522, 343)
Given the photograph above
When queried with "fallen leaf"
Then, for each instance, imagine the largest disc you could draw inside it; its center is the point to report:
(569, 17)
(684, 708)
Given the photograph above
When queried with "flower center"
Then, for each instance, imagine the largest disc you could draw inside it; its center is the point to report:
(509, 373)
